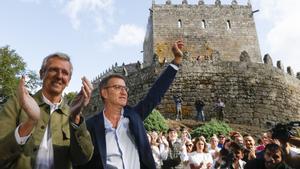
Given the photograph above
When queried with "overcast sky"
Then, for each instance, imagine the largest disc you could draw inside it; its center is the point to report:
(99, 33)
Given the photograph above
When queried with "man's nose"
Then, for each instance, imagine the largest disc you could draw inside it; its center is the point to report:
(59, 73)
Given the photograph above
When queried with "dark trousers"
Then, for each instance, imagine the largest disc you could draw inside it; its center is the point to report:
(200, 115)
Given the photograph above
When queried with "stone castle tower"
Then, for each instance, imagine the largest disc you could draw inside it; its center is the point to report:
(222, 60)
(207, 30)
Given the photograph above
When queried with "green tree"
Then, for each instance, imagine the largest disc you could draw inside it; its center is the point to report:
(33, 83)
(210, 128)
(12, 67)
(70, 96)
(155, 121)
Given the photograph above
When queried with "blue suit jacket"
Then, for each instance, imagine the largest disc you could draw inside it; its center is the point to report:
(136, 116)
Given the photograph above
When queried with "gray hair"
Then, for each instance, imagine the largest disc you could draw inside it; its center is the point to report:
(59, 55)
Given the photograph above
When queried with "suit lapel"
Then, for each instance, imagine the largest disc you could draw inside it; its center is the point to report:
(100, 137)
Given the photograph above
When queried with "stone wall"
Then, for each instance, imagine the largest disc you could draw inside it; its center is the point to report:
(254, 93)
(219, 62)
(228, 29)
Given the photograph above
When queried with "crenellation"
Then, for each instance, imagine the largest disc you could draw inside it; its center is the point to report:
(139, 66)
(268, 60)
(234, 2)
(218, 2)
(280, 65)
(201, 2)
(184, 2)
(220, 28)
(249, 3)
(221, 59)
(125, 72)
(290, 71)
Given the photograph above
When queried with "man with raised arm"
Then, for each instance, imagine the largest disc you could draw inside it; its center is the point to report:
(118, 131)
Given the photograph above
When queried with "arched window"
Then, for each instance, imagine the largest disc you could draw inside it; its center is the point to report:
(203, 24)
(228, 24)
(179, 23)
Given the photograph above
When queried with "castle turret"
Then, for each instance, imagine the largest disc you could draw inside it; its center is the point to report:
(226, 28)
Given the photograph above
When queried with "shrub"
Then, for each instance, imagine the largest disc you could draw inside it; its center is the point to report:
(210, 128)
(155, 121)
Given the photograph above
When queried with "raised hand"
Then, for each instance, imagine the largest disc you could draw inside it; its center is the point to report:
(81, 100)
(27, 103)
(177, 51)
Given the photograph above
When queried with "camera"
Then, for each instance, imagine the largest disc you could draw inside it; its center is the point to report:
(285, 131)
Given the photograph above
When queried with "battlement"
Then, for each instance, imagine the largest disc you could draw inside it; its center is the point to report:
(255, 93)
(202, 2)
(205, 29)
(221, 60)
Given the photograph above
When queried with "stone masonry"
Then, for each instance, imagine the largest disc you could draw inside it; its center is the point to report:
(218, 63)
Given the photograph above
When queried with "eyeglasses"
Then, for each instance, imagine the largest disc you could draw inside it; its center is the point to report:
(118, 87)
(189, 145)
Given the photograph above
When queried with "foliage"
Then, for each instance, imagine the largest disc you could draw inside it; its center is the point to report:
(155, 121)
(210, 128)
(70, 96)
(33, 83)
(12, 67)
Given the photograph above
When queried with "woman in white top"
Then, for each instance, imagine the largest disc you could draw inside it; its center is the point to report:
(187, 148)
(159, 148)
(213, 149)
(200, 158)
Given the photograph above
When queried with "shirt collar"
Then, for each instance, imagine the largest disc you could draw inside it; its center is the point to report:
(53, 106)
(107, 123)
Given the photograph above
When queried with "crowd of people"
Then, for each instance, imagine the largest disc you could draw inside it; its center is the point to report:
(42, 131)
(176, 149)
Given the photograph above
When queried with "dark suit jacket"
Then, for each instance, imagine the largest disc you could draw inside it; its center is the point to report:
(136, 116)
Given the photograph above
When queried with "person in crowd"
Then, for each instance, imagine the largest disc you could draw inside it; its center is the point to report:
(273, 159)
(118, 131)
(223, 158)
(199, 104)
(200, 158)
(187, 148)
(42, 131)
(238, 155)
(185, 135)
(178, 103)
(265, 139)
(249, 151)
(290, 150)
(159, 149)
(219, 108)
(239, 139)
(174, 150)
(213, 148)
(222, 139)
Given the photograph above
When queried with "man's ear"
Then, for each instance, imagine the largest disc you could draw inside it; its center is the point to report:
(103, 93)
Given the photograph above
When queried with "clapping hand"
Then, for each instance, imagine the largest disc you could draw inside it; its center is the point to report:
(81, 100)
(27, 103)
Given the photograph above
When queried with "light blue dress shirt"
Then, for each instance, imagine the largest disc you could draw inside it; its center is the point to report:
(121, 149)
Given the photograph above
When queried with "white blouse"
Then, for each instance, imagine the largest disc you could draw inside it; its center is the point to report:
(198, 158)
